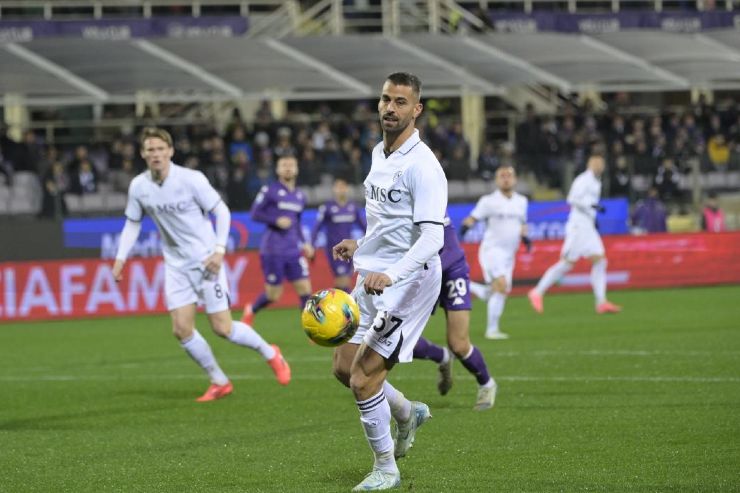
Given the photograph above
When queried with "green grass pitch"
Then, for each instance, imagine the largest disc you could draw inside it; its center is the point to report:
(647, 400)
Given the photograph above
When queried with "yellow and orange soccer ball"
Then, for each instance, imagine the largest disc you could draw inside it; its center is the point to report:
(330, 317)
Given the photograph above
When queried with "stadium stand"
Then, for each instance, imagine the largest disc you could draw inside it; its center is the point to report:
(548, 96)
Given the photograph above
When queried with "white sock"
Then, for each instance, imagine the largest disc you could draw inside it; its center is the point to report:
(399, 404)
(553, 275)
(200, 351)
(481, 291)
(598, 280)
(446, 357)
(490, 383)
(375, 416)
(244, 335)
(495, 309)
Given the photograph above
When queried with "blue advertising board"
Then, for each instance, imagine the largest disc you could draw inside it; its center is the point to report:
(546, 220)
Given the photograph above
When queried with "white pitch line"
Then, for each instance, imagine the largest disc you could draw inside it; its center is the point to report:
(510, 378)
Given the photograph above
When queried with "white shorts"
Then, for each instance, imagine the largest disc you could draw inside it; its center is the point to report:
(581, 240)
(391, 323)
(187, 286)
(495, 263)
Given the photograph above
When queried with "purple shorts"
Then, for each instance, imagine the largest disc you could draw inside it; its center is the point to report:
(455, 294)
(277, 268)
(339, 267)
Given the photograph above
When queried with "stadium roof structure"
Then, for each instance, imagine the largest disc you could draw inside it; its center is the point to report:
(68, 71)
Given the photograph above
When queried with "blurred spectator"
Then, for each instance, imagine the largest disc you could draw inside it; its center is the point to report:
(620, 178)
(528, 138)
(458, 166)
(488, 162)
(238, 143)
(29, 153)
(263, 118)
(237, 188)
(120, 179)
(713, 217)
(649, 215)
(308, 168)
(55, 186)
(80, 155)
(334, 162)
(284, 147)
(718, 152)
(667, 180)
(84, 179)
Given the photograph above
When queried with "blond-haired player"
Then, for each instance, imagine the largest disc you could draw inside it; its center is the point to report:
(179, 201)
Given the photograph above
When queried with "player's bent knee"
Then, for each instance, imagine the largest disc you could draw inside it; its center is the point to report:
(459, 347)
(341, 374)
(182, 332)
(360, 384)
(499, 285)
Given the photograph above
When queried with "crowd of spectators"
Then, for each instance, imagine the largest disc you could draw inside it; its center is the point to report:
(239, 158)
(660, 146)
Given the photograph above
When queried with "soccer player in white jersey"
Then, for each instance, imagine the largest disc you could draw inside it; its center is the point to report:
(399, 276)
(505, 213)
(178, 200)
(581, 239)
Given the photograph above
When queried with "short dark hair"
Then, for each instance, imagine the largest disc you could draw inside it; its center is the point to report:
(406, 79)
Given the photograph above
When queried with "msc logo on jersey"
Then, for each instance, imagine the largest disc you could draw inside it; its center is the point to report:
(172, 208)
(381, 194)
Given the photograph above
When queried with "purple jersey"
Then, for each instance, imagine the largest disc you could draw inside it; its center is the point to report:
(338, 220)
(274, 201)
(451, 251)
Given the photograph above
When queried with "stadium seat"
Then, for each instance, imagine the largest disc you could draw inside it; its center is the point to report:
(115, 201)
(456, 190)
(74, 203)
(25, 179)
(4, 194)
(358, 193)
(93, 202)
(323, 192)
(310, 195)
(23, 205)
(478, 188)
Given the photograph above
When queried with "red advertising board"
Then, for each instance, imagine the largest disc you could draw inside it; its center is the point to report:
(82, 288)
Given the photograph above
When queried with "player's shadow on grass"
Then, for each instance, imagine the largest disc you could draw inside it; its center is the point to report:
(159, 394)
(76, 420)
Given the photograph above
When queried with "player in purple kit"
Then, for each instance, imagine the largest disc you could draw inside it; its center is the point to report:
(279, 205)
(456, 302)
(338, 217)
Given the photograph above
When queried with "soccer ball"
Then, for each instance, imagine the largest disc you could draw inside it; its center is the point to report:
(330, 317)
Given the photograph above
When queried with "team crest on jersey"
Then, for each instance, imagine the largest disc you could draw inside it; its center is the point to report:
(397, 175)
(281, 192)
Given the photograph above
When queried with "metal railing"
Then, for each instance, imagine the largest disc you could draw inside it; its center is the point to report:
(332, 16)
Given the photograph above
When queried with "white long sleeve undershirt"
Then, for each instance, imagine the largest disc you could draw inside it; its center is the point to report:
(128, 237)
(426, 246)
(223, 223)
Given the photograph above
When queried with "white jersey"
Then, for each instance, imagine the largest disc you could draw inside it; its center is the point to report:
(401, 191)
(504, 218)
(585, 192)
(179, 207)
